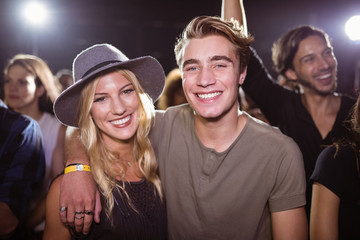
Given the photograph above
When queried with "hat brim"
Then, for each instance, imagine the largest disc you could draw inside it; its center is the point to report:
(147, 69)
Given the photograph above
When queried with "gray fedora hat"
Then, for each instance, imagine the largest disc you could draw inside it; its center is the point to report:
(96, 59)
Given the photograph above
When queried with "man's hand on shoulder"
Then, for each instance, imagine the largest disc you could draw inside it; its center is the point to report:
(79, 196)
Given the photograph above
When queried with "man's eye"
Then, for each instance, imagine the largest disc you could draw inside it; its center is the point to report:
(328, 53)
(307, 60)
(190, 69)
(220, 65)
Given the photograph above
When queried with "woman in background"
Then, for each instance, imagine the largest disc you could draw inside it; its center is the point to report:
(335, 206)
(30, 88)
(173, 94)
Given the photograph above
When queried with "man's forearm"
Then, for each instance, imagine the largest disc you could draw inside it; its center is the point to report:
(234, 9)
(74, 150)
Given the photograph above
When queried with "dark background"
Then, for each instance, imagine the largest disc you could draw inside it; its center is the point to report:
(150, 27)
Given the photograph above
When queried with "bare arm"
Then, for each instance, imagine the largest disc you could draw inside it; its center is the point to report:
(58, 153)
(36, 215)
(324, 213)
(54, 228)
(289, 224)
(8, 221)
(78, 189)
(234, 9)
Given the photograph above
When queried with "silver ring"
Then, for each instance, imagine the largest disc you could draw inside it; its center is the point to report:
(88, 212)
(82, 212)
(63, 209)
(80, 217)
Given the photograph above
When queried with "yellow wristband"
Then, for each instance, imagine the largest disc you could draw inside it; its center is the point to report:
(77, 167)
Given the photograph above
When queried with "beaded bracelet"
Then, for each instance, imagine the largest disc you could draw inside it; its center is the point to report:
(76, 167)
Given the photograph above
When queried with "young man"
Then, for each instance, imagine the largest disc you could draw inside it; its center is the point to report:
(314, 114)
(225, 175)
(22, 166)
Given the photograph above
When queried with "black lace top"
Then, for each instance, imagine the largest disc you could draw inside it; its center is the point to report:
(147, 222)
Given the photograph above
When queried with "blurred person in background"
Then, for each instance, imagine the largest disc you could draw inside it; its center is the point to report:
(30, 88)
(310, 110)
(22, 166)
(65, 78)
(173, 93)
(335, 208)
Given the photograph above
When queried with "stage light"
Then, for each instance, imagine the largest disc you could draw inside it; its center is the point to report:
(35, 13)
(352, 28)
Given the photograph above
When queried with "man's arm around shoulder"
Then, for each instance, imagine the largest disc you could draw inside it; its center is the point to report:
(78, 190)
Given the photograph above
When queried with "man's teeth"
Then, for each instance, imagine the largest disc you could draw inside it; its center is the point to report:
(324, 76)
(121, 121)
(208, 95)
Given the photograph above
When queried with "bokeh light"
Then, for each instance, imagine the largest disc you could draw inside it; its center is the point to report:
(352, 28)
(35, 13)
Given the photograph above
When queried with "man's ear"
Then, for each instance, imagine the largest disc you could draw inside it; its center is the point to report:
(242, 76)
(290, 74)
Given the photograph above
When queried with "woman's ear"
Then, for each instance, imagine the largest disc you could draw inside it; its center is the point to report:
(40, 91)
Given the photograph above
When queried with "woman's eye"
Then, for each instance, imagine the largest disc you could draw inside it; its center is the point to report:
(127, 91)
(99, 99)
(23, 82)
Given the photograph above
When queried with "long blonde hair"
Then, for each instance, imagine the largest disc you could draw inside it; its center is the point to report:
(101, 158)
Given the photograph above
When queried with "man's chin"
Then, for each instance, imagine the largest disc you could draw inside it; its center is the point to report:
(320, 92)
(329, 92)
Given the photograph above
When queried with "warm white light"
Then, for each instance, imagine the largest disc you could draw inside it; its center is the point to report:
(352, 28)
(35, 13)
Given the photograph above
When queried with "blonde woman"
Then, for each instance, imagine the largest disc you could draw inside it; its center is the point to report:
(111, 103)
(30, 88)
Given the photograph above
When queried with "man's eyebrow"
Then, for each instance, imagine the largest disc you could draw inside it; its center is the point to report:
(306, 56)
(214, 58)
(221, 57)
(312, 54)
(190, 61)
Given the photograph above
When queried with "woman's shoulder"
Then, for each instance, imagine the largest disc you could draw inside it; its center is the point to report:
(336, 152)
(49, 118)
(49, 124)
(335, 159)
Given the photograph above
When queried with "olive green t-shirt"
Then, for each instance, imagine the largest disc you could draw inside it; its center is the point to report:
(226, 195)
